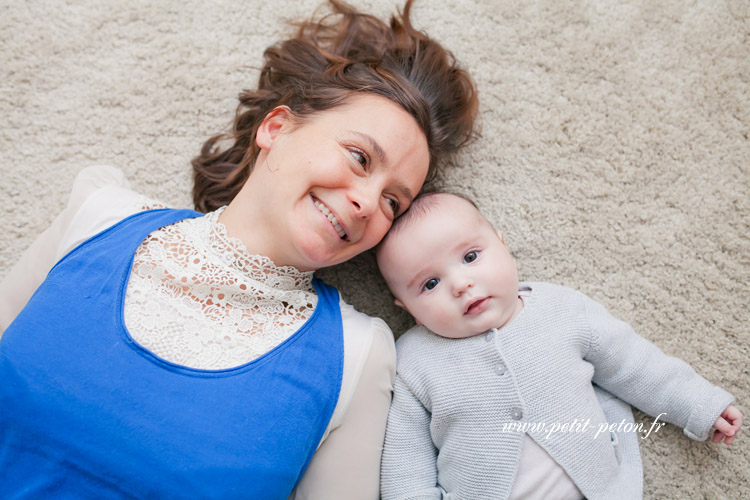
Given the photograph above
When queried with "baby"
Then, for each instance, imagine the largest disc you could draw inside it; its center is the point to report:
(493, 396)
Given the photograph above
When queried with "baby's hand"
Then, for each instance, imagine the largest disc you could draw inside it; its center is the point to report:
(727, 425)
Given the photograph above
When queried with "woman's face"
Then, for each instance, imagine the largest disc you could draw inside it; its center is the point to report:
(328, 189)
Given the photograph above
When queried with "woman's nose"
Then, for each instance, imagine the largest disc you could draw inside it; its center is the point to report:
(364, 200)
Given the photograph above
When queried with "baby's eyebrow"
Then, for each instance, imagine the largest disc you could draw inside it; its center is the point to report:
(463, 243)
(414, 279)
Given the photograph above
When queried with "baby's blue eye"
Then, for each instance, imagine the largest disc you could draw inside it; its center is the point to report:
(431, 283)
(470, 257)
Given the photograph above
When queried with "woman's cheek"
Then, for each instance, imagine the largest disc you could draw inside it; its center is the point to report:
(377, 230)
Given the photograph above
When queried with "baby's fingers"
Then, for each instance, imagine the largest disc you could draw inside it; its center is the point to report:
(733, 415)
(727, 425)
(717, 437)
(723, 427)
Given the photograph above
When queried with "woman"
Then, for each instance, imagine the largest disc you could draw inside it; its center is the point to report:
(179, 356)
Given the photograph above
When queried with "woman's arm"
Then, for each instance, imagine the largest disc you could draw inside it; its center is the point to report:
(100, 196)
(347, 464)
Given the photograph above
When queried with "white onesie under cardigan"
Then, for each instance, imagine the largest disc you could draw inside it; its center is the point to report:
(250, 307)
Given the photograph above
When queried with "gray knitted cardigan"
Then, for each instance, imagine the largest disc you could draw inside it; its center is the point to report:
(449, 429)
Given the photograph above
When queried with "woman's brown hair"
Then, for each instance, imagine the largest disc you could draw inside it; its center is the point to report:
(328, 61)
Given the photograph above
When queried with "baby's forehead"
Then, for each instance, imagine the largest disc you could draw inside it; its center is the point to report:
(438, 212)
(440, 223)
(435, 212)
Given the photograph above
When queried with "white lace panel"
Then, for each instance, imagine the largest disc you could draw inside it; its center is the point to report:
(197, 298)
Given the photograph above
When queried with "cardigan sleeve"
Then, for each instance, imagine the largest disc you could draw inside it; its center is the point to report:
(638, 372)
(409, 466)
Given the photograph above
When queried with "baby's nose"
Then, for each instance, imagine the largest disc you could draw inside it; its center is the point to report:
(461, 286)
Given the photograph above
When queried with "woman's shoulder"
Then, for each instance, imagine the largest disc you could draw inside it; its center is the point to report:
(366, 338)
(100, 197)
(95, 177)
(363, 325)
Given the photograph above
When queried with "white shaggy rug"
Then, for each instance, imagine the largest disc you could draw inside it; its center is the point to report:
(614, 152)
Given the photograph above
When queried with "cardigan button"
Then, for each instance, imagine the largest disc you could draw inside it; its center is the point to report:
(500, 369)
(516, 413)
(490, 335)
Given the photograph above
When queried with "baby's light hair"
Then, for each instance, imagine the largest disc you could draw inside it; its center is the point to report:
(421, 206)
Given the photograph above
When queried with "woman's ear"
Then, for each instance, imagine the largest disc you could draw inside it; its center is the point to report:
(271, 126)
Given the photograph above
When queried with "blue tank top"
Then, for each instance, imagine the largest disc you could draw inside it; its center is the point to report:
(86, 412)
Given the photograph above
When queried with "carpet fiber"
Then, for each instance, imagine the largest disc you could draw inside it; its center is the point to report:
(614, 152)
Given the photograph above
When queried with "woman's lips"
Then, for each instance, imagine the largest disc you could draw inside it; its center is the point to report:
(478, 306)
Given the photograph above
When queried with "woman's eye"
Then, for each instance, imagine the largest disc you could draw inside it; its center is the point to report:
(470, 257)
(394, 205)
(359, 157)
(431, 283)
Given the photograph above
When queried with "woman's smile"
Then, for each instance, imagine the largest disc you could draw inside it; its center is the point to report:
(323, 208)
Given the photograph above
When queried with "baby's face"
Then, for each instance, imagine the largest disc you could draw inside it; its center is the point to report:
(452, 271)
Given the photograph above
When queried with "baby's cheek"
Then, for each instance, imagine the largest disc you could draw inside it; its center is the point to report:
(445, 324)
(433, 321)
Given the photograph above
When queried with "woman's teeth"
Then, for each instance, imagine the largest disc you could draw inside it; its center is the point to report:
(324, 210)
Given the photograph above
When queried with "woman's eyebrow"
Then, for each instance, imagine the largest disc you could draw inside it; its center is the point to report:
(379, 152)
(405, 192)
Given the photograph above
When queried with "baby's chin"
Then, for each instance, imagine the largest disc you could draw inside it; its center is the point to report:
(471, 328)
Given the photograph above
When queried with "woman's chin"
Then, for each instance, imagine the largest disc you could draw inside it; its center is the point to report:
(320, 253)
